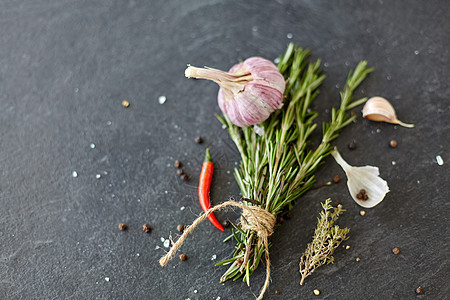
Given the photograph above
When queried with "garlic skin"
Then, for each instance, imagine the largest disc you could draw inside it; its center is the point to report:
(249, 92)
(380, 110)
(367, 178)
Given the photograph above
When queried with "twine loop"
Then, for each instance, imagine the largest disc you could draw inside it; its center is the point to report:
(252, 218)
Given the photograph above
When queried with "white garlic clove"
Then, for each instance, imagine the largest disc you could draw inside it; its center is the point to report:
(363, 178)
(380, 110)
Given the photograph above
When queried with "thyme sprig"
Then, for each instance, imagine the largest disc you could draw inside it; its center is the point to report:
(278, 167)
(327, 237)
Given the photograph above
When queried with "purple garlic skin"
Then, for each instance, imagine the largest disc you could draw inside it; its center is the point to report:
(249, 92)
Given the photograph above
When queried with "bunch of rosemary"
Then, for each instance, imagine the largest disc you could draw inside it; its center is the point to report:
(277, 167)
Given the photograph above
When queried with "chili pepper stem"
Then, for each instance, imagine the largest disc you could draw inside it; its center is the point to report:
(207, 156)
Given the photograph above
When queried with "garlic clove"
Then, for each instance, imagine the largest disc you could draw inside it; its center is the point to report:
(380, 110)
(366, 178)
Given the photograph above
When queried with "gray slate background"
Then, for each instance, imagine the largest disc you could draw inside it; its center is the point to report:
(65, 67)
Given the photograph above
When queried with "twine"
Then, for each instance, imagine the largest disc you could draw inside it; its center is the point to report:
(253, 218)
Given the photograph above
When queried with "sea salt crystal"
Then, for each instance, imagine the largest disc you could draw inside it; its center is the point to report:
(166, 243)
(224, 126)
(439, 160)
(277, 60)
(416, 52)
(182, 208)
(394, 163)
(92, 146)
(162, 240)
(74, 174)
(218, 298)
(107, 279)
(289, 35)
(195, 291)
(98, 176)
(162, 99)
(137, 254)
(213, 257)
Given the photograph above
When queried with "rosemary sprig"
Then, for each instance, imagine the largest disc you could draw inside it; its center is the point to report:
(277, 168)
(327, 237)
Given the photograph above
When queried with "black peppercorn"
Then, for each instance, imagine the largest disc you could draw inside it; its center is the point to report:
(226, 223)
(352, 145)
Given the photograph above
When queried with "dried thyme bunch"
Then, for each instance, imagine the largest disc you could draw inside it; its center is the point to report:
(327, 237)
(277, 167)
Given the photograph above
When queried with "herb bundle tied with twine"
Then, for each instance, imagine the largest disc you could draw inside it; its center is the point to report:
(277, 167)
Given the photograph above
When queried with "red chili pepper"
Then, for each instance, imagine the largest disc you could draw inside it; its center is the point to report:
(204, 185)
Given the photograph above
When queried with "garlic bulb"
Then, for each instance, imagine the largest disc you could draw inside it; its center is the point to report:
(380, 110)
(363, 181)
(249, 92)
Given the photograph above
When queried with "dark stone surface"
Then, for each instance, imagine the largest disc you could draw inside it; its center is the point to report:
(66, 66)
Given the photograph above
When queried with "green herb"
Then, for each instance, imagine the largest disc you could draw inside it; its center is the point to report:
(278, 167)
(327, 237)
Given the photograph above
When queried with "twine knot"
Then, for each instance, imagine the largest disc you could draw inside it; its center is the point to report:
(258, 220)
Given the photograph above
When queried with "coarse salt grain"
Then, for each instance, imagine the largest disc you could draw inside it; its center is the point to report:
(213, 257)
(289, 35)
(74, 174)
(182, 208)
(92, 146)
(107, 279)
(98, 176)
(166, 243)
(162, 99)
(162, 240)
(439, 160)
